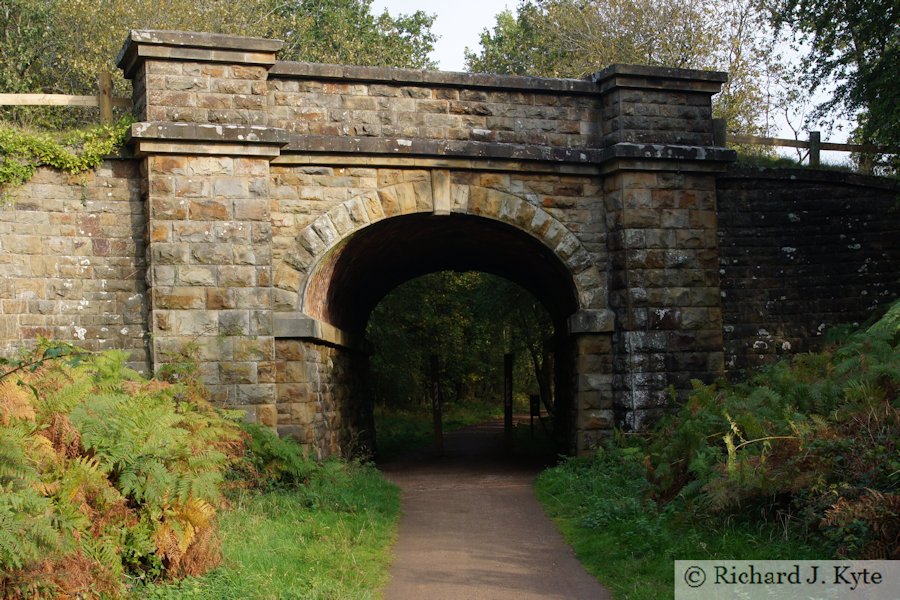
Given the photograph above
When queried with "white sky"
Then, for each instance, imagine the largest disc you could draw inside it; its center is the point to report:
(458, 23)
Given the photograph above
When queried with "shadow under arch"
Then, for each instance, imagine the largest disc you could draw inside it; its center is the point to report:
(360, 271)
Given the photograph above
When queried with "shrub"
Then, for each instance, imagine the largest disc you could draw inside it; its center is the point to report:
(22, 152)
(105, 476)
(811, 441)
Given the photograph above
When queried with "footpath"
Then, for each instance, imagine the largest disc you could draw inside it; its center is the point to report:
(472, 528)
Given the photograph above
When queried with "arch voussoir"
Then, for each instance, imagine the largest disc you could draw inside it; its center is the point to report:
(318, 238)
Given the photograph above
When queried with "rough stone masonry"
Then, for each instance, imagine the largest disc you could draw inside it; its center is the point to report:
(270, 205)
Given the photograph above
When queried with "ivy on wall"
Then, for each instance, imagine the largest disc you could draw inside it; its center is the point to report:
(22, 152)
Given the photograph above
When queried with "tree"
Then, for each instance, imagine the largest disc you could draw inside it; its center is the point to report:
(59, 46)
(854, 45)
(574, 38)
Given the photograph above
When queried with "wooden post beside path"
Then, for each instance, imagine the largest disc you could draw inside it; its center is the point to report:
(436, 408)
(507, 400)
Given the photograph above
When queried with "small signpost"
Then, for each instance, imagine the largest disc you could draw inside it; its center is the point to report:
(436, 409)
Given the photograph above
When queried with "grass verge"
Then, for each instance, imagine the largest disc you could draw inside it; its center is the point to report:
(330, 538)
(630, 543)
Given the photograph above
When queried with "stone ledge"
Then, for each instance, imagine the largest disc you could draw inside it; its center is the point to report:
(494, 150)
(195, 46)
(432, 162)
(194, 138)
(305, 70)
(592, 321)
(297, 325)
(811, 174)
(431, 147)
(658, 78)
(669, 152)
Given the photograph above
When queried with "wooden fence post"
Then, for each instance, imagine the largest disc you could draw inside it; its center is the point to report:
(815, 147)
(720, 128)
(436, 408)
(104, 98)
(507, 400)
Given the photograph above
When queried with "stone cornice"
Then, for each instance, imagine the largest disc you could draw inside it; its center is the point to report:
(194, 138)
(390, 75)
(472, 150)
(658, 78)
(142, 44)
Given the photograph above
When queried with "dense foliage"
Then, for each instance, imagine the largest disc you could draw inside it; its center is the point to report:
(22, 152)
(799, 461)
(854, 47)
(574, 38)
(105, 476)
(112, 485)
(328, 538)
(470, 320)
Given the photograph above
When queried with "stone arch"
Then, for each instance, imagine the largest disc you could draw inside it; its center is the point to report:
(307, 260)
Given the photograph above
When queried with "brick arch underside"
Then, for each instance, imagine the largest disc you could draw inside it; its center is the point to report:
(396, 234)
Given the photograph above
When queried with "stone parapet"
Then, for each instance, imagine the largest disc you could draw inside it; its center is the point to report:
(370, 102)
(657, 105)
(198, 77)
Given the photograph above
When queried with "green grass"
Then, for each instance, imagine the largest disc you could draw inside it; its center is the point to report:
(627, 542)
(328, 539)
(399, 431)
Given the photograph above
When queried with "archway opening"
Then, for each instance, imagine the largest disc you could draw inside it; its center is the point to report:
(457, 343)
(459, 250)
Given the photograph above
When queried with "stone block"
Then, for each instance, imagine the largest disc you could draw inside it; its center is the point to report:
(256, 394)
(236, 276)
(595, 419)
(293, 392)
(212, 254)
(169, 254)
(267, 415)
(196, 276)
(252, 210)
(179, 298)
(210, 210)
(238, 373)
(234, 322)
(220, 298)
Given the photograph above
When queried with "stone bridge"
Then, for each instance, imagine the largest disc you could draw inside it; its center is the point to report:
(270, 205)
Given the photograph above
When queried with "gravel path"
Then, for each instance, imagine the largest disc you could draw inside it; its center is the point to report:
(473, 529)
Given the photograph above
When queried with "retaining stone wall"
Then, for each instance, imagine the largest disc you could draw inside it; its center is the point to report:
(802, 250)
(72, 261)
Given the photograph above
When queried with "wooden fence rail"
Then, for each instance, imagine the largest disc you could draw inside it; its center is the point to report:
(104, 99)
(814, 144)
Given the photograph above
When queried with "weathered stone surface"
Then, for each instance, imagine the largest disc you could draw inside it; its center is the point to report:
(273, 204)
(801, 251)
